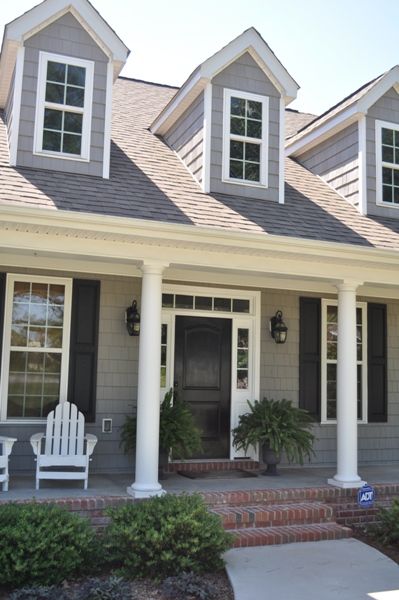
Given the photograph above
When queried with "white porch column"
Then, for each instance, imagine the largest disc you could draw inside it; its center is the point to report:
(346, 476)
(148, 400)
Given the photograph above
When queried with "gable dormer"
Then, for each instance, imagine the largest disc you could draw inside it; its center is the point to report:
(227, 120)
(354, 146)
(57, 68)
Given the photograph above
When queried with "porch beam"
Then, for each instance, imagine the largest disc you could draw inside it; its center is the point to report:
(347, 465)
(146, 483)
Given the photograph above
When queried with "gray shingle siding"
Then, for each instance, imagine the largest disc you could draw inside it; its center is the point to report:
(244, 75)
(186, 137)
(66, 37)
(336, 161)
(385, 109)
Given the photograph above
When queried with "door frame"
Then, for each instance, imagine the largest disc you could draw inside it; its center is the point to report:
(250, 321)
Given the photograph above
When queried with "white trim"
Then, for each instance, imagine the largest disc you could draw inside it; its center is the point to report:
(16, 105)
(249, 320)
(263, 142)
(362, 160)
(207, 140)
(108, 121)
(363, 306)
(41, 104)
(281, 153)
(379, 164)
(11, 278)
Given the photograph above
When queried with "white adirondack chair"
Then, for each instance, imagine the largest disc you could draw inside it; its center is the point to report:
(65, 445)
(6, 444)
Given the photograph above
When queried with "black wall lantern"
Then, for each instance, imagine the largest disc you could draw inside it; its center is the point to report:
(132, 319)
(278, 329)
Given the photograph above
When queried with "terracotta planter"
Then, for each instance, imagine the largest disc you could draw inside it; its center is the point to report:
(271, 459)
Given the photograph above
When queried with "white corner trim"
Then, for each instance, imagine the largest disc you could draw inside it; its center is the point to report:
(16, 105)
(281, 153)
(263, 142)
(108, 121)
(207, 140)
(362, 159)
(86, 110)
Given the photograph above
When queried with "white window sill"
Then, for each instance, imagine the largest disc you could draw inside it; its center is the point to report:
(61, 156)
(24, 422)
(245, 182)
(334, 422)
(387, 204)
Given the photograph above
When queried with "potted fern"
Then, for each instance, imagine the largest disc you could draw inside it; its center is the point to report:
(276, 426)
(177, 432)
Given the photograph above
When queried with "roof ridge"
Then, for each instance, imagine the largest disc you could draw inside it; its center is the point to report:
(166, 85)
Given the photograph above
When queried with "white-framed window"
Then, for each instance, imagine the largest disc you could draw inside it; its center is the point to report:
(329, 347)
(64, 106)
(245, 138)
(387, 163)
(35, 346)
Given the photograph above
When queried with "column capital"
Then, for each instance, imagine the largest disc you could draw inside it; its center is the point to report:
(348, 285)
(154, 267)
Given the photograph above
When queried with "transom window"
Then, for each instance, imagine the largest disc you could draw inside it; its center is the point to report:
(36, 346)
(329, 360)
(64, 106)
(245, 138)
(211, 303)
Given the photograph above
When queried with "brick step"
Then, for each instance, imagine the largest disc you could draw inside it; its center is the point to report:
(268, 536)
(242, 517)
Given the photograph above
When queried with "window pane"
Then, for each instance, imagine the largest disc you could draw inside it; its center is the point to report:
(34, 384)
(252, 152)
(396, 195)
(242, 359)
(21, 291)
(237, 126)
(35, 362)
(15, 406)
(55, 71)
(387, 136)
(163, 377)
(19, 335)
(55, 93)
(73, 122)
(396, 156)
(242, 379)
(72, 143)
(37, 337)
(38, 314)
(56, 294)
(167, 300)
(254, 109)
(52, 362)
(236, 149)
(39, 293)
(222, 304)
(16, 383)
(184, 301)
(20, 313)
(54, 337)
(164, 333)
(332, 350)
(33, 406)
(332, 314)
(359, 392)
(55, 315)
(51, 141)
(387, 154)
(18, 361)
(387, 175)
(76, 75)
(75, 96)
(254, 129)
(203, 303)
(53, 119)
(241, 306)
(242, 338)
(51, 384)
(236, 169)
(386, 193)
(252, 172)
(237, 106)
(332, 332)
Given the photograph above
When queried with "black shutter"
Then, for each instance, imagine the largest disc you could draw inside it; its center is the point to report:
(84, 341)
(2, 308)
(377, 363)
(309, 355)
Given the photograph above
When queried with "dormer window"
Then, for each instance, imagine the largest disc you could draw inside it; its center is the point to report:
(64, 104)
(387, 163)
(245, 137)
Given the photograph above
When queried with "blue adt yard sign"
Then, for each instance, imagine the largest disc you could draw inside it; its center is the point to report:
(366, 496)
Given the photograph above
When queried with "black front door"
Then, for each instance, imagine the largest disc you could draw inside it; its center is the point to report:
(203, 378)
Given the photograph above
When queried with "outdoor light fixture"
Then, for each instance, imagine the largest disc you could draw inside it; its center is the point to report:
(132, 319)
(278, 329)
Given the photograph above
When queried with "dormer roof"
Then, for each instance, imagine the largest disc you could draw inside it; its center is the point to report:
(249, 41)
(343, 113)
(32, 21)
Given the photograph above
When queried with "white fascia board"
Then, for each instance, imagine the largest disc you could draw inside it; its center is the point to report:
(326, 130)
(389, 80)
(249, 41)
(199, 236)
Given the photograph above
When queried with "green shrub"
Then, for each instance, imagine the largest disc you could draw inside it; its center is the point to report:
(42, 544)
(113, 588)
(188, 585)
(165, 535)
(388, 529)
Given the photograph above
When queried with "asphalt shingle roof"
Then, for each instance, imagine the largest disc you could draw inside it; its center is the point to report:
(148, 181)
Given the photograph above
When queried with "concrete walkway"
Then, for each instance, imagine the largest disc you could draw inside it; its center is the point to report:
(333, 570)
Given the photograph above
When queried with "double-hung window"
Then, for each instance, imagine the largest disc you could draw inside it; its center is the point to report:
(64, 106)
(329, 351)
(35, 347)
(387, 163)
(245, 138)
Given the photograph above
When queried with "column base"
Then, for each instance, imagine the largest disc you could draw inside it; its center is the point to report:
(143, 491)
(357, 483)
